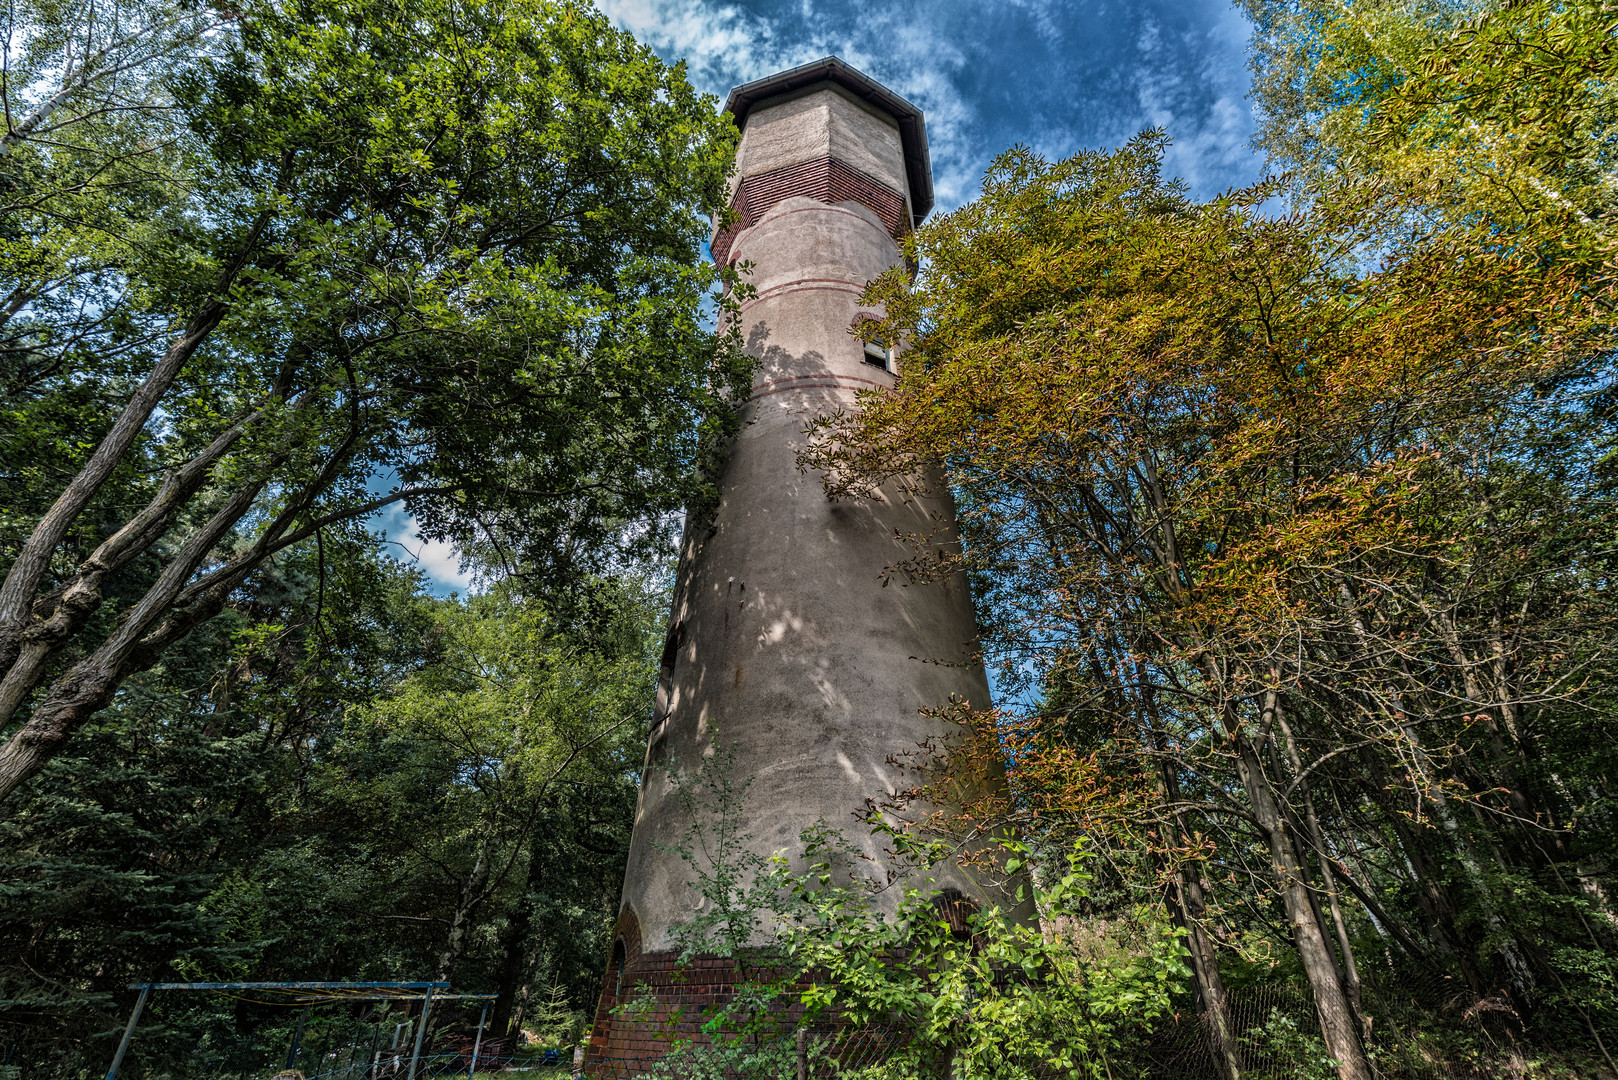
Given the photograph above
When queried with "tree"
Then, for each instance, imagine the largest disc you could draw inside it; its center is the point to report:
(516, 741)
(146, 849)
(451, 252)
(1264, 504)
(70, 66)
(1504, 109)
(306, 792)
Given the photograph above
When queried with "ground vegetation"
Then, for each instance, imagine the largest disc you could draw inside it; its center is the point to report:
(1289, 515)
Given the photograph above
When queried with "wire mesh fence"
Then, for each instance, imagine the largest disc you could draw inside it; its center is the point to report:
(1273, 1043)
(359, 1063)
(817, 1052)
(1417, 1025)
(1410, 1029)
(382, 1052)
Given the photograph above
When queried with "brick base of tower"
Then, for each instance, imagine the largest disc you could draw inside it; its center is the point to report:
(682, 997)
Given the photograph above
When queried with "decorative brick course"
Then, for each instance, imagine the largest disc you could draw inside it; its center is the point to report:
(826, 179)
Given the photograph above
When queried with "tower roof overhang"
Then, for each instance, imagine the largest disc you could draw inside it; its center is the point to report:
(912, 128)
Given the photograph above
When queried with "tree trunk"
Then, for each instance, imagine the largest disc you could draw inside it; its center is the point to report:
(1350, 969)
(72, 84)
(514, 961)
(1192, 909)
(1521, 975)
(1428, 786)
(1337, 1022)
(1390, 927)
(22, 580)
(1438, 907)
(1205, 967)
(90, 684)
(60, 615)
(472, 894)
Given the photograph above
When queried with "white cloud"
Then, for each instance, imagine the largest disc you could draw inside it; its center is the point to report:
(1184, 71)
(724, 46)
(1205, 112)
(1040, 14)
(438, 558)
(719, 42)
(1215, 149)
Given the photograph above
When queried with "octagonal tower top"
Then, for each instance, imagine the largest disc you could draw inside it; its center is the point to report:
(830, 70)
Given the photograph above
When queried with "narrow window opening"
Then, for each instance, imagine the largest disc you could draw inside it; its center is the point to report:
(877, 354)
(957, 912)
(671, 646)
(665, 674)
(617, 972)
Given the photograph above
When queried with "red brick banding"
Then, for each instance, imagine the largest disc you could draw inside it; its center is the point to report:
(825, 179)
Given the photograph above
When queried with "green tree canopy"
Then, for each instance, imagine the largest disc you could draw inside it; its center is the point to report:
(446, 256)
(1504, 110)
(1284, 516)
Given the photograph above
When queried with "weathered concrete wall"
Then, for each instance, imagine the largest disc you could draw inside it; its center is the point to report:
(791, 650)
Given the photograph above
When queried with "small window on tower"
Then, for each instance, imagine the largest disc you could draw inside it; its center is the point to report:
(877, 354)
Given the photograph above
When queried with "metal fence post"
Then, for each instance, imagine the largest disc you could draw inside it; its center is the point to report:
(297, 1037)
(477, 1043)
(398, 1029)
(376, 1050)
(129, 1032)
(421, 1033)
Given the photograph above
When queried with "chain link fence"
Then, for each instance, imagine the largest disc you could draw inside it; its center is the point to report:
(1418, 1029)
(1273, 1045)
(1420, 1026)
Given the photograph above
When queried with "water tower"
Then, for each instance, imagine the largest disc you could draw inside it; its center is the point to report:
(783, 638)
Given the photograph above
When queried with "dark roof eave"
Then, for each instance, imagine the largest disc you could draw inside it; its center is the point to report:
(912, 127)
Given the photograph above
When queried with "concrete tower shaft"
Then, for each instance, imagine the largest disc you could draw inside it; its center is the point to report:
(784, 643)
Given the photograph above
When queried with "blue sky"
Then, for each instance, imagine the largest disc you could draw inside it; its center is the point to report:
(1056, 75)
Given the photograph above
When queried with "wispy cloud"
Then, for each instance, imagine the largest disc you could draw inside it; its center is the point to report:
(724, 44)
(1202, 105)
(718, 42)
(1043, 14)
(439, 560)
(1057, 75)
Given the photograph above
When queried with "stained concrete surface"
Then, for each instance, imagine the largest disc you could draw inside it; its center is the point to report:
(791, 650)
